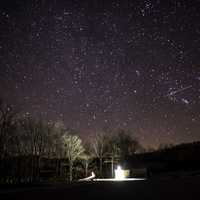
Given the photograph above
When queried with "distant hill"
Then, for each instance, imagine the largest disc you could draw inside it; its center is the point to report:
(178, 160)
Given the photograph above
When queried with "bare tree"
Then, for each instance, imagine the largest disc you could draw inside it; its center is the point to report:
(88, 156)
(73, 149)
(54, 141)
(112, 152)
(7, 127)
(34, 136)
(98, 144)
(86, 159)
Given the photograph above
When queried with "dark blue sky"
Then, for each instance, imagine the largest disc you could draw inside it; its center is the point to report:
(105, 64)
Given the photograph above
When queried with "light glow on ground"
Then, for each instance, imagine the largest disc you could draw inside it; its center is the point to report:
(116, 180)
(119, 176)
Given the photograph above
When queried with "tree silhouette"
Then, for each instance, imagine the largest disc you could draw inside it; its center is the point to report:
(7, 128)
(127, 144)
(98, 143)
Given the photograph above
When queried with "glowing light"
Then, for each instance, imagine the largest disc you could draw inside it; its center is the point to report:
(119, 173)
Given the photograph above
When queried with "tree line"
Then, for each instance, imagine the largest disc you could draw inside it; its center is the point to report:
(26, 142)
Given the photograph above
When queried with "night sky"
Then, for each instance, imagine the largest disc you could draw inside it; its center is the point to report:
(132, 65)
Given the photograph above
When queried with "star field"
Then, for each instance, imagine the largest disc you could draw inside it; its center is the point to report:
(105, 64)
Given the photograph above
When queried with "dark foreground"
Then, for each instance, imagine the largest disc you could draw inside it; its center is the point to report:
(182, 188)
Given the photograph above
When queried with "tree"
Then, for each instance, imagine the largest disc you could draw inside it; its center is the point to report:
(87, 156)
(98, 144)
(126, 143)
(73, 149)
(54, 134)
(36, 139)
(7, 128)
(164, 146)
(32, 140)
(55, 144)
(112, 151)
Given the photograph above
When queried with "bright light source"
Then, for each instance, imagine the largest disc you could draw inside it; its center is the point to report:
(119, 173)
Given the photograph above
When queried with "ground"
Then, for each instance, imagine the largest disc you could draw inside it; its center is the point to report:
(179, 188)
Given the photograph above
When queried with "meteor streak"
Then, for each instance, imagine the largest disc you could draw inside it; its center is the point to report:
(172, 93)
